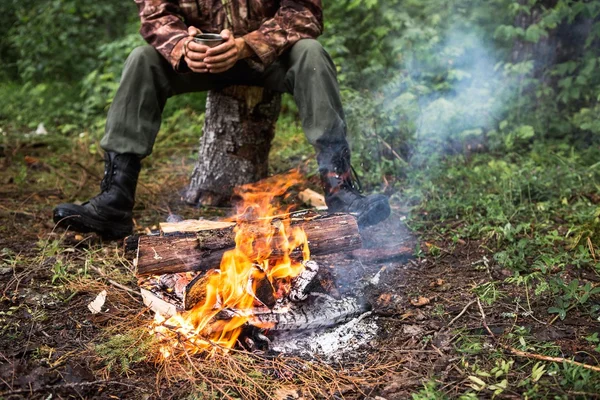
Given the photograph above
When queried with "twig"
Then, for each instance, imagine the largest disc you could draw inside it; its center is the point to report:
(116, 284)
(483, 319)
(526, 354)
(65, 386)
(201, 374)
(551, 359)
(587, 395)
(464, 310)
(390, 148)
(530, 314)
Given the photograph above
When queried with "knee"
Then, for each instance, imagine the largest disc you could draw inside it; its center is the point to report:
(143, 56)
(310, 48)
(309, 55)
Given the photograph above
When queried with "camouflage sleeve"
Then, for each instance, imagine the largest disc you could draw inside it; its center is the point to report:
(163, 28)
(295, 20)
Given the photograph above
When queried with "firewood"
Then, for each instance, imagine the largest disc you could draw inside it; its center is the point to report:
(312, 198)
(302, 281)
(323, 312)
(203, 250)
(193, 225)
(320, 311)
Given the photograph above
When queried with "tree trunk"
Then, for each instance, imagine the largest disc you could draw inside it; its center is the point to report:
(234, 149)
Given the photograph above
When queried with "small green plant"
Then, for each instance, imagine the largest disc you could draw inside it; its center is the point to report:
(494, 381)
(429, 392)
(594, 339)
(59, 271)
(488, 292)
(122, 351)
(573, 295)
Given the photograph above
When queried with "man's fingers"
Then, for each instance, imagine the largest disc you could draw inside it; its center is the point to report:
(212, 66)
(220, 58)
(225, 34)
(193, 31)
(221, 67)
(197, 47)
(195, 56)
(222, 48)
(195, 65)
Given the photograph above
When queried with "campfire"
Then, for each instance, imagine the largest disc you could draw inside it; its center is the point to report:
(211, 281)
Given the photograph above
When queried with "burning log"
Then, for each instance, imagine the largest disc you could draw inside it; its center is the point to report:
(185, 290)
(323, 312)
(320, 311)
(203, 250)
(301, 282)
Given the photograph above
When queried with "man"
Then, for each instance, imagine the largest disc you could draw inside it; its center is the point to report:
(269, 43)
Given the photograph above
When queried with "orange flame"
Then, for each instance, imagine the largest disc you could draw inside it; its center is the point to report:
(264, 241)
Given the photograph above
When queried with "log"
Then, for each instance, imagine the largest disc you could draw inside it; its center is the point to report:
(203, 250)
(325, 311)
(239, 126)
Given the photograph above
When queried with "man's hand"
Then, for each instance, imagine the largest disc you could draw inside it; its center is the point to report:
(224, 56)
(194, 53)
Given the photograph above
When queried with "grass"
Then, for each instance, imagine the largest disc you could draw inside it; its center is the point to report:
(536, 212)
(532, 214)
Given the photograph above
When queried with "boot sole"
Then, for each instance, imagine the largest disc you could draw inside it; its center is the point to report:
(70, 218)
(376, 213)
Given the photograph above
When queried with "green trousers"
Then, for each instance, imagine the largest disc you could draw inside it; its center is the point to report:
(306, 71)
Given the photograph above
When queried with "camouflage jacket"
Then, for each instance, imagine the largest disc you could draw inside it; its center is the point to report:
(269, 27)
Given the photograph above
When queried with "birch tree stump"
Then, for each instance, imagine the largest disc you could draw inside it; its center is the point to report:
(234, 149)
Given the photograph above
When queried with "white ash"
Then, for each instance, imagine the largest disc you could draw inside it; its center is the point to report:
(330, 342)
(375, 279)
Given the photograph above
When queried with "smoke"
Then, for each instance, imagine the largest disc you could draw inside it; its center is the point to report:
(470, 95)
(443, 96)
(458, 92)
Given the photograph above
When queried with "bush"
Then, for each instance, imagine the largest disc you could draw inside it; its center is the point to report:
(59, 39)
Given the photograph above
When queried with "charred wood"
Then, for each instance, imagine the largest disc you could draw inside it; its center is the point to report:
(302, 281)
(324, 311)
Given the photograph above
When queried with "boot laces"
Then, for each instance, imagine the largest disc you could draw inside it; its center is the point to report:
(110, 169)
(355, 181)
(351, 181)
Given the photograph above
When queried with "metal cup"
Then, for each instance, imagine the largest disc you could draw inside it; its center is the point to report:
(209, 39)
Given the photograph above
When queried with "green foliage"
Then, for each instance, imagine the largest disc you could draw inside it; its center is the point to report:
(25, 106)
(58, 39)
(425, 79)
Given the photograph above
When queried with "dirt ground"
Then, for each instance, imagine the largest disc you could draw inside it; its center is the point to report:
(424, 303)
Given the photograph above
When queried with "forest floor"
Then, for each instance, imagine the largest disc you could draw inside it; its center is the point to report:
(458, 318)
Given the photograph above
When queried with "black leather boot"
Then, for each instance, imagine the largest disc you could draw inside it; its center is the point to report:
(109, 213)
(342, 192)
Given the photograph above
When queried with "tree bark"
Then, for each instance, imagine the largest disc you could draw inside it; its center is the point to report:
(239, 126)
(201, 251)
